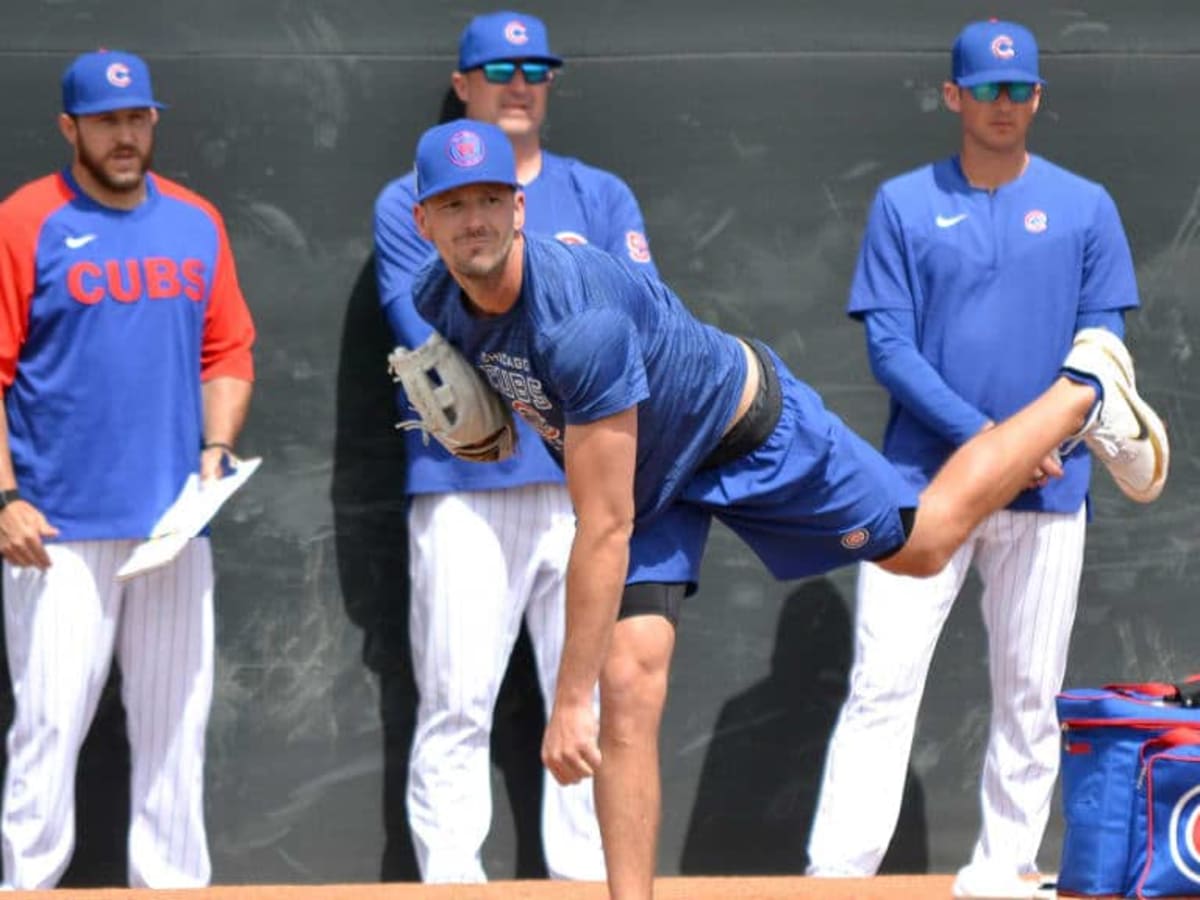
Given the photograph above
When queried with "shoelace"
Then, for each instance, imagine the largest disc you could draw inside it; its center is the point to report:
(1111, 444)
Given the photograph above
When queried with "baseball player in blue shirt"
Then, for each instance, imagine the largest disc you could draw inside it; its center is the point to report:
(126, 365)
(515, 516)
(662, 422)
(975, 275)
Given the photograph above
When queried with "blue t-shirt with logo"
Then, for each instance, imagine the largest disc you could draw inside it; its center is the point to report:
(110, 322)
(589, 337)
(568, 200)
(996, 284)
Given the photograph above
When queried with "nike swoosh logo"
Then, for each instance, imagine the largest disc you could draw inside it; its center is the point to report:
(948, 221)
(1146, 434)
(74, 243)
(1143, 429)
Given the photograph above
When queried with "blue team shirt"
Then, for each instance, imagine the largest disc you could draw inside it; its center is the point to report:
(568, 200)
(589, 337)
(997, 283)
(109, 322)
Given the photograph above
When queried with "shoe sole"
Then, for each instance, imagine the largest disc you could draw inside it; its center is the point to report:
(1042, 891)
(1150, 425)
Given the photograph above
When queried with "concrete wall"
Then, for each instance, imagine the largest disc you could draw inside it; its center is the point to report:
(754, 135)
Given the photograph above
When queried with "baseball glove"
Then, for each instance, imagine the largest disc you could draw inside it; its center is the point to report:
(455, 404)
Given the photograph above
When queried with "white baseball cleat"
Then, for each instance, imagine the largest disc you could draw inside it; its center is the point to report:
(1123, 432)
(973, 881)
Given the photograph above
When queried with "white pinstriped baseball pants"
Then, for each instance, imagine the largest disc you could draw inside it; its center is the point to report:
(62, 628)
(480, 562)
(1029, 564)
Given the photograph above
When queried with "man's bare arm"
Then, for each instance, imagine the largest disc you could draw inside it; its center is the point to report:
(600, 459)
(226, 402)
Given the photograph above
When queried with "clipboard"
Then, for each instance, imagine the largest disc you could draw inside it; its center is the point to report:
(195, 506)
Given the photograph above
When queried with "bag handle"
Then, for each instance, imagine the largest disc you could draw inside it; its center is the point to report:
(1176, 737)
(1186, 693)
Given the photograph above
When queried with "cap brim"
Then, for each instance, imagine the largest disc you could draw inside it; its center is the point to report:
(450, 184)
(97, 108)
(990, 75)
(552, 61)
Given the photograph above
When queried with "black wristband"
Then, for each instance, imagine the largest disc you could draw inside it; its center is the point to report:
(218, 445)
(10, 496)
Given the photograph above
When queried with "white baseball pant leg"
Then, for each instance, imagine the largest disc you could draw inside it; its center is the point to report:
(897, 623)
(1030, 564)
(477, 559)
(165, 649)
(570, 829)
(62, 627)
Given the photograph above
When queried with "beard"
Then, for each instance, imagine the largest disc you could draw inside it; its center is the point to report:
(118, 182)
(483, 266)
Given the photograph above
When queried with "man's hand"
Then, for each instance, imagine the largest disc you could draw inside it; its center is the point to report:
(1050, 467)
(22, 527)
(213, 462)
(570, 749)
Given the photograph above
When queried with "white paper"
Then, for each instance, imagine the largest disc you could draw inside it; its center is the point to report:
(195, 506)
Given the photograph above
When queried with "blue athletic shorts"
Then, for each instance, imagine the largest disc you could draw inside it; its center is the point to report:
(813, 496)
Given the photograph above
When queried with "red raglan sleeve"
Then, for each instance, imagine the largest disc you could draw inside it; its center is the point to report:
(228, 328)
(16, 287)
(21, 219)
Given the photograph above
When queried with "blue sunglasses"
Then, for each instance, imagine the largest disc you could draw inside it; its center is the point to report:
(988, 92)
(504, 72)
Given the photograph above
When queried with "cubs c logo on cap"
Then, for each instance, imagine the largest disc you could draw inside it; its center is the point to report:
(118, 75)
(465, 149)
(1185, 839)
(1036, 221)
(1002, 47)
(516, 33)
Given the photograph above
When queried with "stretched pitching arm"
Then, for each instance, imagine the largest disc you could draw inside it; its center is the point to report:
(600, 458)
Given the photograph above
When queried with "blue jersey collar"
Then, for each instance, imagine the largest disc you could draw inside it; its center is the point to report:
(1022, 179)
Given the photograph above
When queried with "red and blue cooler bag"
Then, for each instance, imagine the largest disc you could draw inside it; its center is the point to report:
(1167, 815)
(1103, 735)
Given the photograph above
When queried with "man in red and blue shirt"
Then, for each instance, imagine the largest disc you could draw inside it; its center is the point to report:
(125, 366)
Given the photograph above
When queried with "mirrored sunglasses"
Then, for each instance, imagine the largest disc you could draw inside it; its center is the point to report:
(988, 92)
(503, 72)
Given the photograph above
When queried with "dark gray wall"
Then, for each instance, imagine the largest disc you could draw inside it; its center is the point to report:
(754, 135)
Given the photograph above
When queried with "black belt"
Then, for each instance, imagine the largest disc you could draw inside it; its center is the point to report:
(757, 423)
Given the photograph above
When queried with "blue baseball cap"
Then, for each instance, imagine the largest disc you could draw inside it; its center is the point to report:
(463, 152)
(106, 80)
(994, 51)
(504, 35)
